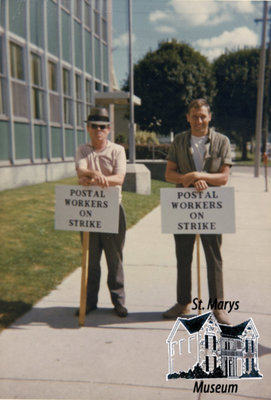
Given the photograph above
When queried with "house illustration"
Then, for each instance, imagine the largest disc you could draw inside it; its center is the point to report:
(201, 341)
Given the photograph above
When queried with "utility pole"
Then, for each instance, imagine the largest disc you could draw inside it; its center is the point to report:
(260, 95)
(131, 72)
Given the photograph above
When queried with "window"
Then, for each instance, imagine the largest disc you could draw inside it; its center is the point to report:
(66, 4)
(207, 363)
(214, 343)
(37, 87)
(104, 30)
(67, 100)
(98, 86)
(206, 342)
(16, 61)
(79, 102)
(53, 92)
(77, 9)
(88, 96)
(247, 364)
(52, 76)
(18, 84)
(2, 80)
(104, 10)
(87, 14)
(96, 23)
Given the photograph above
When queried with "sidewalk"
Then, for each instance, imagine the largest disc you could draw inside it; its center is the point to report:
(46, 355)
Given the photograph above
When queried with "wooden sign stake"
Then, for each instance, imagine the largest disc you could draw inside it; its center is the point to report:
(84, 278)
(198, 268)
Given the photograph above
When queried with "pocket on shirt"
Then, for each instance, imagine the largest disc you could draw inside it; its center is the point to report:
(212, 164)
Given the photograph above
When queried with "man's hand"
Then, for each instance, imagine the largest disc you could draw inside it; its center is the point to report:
(85, 181)
(190, 178)
(101, 181)
(200, 185)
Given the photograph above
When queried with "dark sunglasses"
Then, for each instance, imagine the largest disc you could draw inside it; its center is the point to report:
(95, 126)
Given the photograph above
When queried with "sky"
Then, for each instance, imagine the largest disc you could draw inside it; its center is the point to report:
(210, 27)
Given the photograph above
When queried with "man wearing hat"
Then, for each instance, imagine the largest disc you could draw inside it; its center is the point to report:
(103, 163)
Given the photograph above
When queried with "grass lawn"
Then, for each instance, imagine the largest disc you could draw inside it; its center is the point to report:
(34, 256)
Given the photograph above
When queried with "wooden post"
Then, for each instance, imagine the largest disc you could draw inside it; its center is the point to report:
(198, 268)
(84, 278)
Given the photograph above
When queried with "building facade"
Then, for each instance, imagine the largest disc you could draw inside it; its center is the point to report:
(55, 55)
(203, 341)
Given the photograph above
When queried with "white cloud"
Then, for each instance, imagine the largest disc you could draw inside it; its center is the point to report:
(158, 15)
(165, 29)
(123, 40)
(195, 12)
(211, 12)
(238, 38)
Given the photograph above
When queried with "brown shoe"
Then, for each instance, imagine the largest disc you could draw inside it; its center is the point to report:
(177, 311)
(222, 317)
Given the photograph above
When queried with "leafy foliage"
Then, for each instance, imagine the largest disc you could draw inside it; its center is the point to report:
(236, 75)
(197, 373)
(167, 80)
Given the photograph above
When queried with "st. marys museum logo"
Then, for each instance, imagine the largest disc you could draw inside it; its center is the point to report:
(201, 348)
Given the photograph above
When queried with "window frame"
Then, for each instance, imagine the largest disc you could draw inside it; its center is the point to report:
(67, 96)
(37, 88)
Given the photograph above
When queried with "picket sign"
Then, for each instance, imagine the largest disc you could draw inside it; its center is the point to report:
(86, 209)
(186, 211)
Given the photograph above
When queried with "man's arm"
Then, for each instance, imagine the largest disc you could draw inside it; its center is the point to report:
(173, 176)
(200, 180)
(87, 177)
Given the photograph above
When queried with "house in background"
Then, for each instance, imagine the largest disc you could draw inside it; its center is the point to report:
(55, 56)
(202, 340)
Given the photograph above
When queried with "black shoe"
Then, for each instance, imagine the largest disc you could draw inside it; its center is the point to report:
(88, 310)
(121, 311)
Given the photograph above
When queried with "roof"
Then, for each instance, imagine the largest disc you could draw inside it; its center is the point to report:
(192, 325)
(195, 324)
(237, 330)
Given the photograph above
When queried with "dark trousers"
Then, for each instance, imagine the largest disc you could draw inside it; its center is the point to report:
(184, 245)
(112, 244)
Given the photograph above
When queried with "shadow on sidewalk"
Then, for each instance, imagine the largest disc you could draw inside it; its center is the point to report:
(65, 318)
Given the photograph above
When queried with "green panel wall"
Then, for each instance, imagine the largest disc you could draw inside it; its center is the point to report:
(78, 45)
(40, 141)
(36, 21)
(53, 39)
(88, 52)
(56, 142)
(66, 36)
(69, 143)
(22, 141)
(17, 13)
(4, 141)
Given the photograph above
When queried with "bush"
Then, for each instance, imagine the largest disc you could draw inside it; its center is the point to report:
(152, 152)
(143, 137)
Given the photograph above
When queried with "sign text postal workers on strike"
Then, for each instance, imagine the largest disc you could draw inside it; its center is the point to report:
(89, 209)
(186, 211)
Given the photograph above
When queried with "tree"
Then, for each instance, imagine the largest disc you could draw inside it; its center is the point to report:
(235, 104)
(166, 80)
